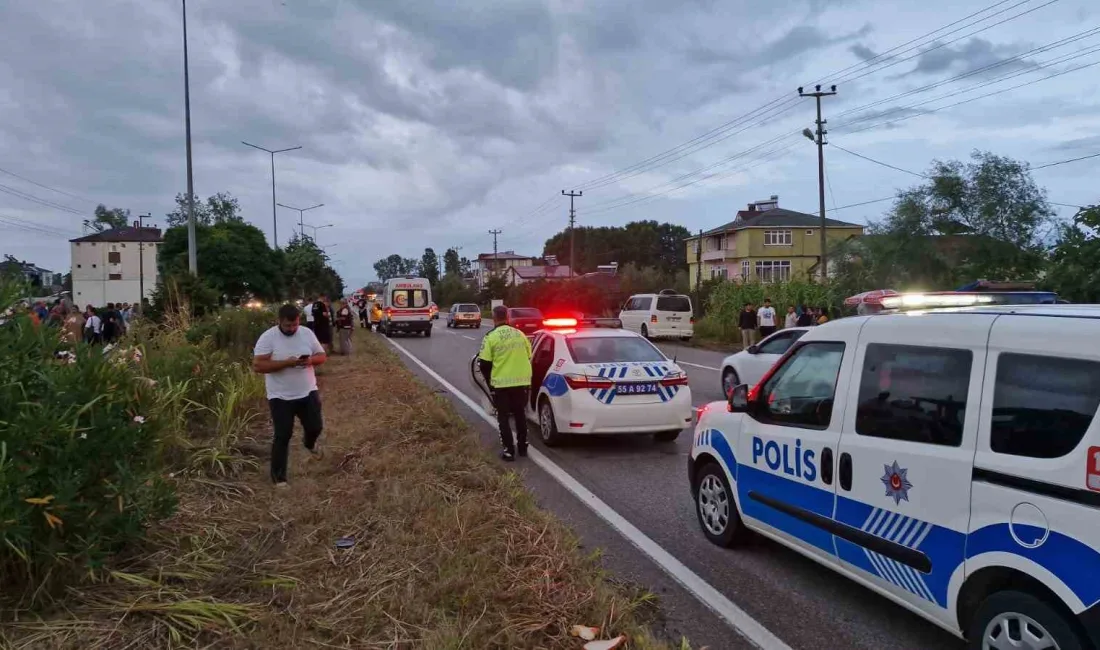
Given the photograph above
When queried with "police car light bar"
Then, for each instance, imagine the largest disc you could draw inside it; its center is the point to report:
(936, 299)
(559, 322)
(572, 323)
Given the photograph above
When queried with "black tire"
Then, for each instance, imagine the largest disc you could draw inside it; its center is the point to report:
(1041, 617)
(645, 332)
(685, 339)
(708, 478)
(549, 433)
(729, 380)
(427, 333)
(666, 436)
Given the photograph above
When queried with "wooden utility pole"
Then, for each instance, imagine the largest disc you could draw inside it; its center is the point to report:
(494, 233)
(820, 141)
(699, 261)
(572, 230)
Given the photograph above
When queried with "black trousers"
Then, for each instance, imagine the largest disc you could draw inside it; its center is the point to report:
(283, 412)
(766, 330)
(511, 402)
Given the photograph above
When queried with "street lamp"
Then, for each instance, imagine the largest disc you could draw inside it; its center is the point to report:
(316, 228)
(301, 212)
(274, 220)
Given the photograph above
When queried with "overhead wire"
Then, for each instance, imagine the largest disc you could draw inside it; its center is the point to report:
(45, 187)
(38, 200)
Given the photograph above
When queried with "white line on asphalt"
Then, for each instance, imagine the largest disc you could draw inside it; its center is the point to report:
(745, 625)
(468, 337)
(695, 365)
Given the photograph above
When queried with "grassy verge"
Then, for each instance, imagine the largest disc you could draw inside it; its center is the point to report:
(449, 550)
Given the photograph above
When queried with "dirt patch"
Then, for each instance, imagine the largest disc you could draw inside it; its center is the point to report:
(405, 535)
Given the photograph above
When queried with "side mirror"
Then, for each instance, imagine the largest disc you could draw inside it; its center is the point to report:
(752, 349)
(739, 399)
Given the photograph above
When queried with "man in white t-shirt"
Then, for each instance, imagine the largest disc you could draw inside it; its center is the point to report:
(285, 355)
(766, 317)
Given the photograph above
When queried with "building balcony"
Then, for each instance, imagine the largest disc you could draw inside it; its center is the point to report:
(718, 255)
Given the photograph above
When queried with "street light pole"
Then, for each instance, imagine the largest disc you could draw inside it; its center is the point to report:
(820, 141)
(301, 213)
(192, 252)
(274, 219)
(316, 228)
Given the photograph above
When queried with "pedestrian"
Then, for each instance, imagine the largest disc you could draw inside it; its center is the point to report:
(93, 326)
(74, 326)
(505, 359)
(792, 318)
(308, 308)
(41, 311)
(805, 317)
(286, 355)
(345, 325)
(110, 323)
(747, 323)
(322, 322)
(364, 315)
(822, 315)
(766, 317)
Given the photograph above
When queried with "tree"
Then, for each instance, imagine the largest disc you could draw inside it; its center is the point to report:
(395, 265)
(646, 244)
(429, 266)
(1075, 262)
(451, 289)
(452, 265)
(219, 208)
(234, 259)
(107, 218)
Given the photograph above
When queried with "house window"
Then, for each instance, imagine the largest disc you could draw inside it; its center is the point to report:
(746, 268)
(114, 258)
(809, 232)
(719, 272)
(114, 276)
(93, 266)
(777, 237)
(78, 266)
(773, 270)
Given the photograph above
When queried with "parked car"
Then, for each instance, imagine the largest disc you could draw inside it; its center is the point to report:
(750, 364)
(659, 315)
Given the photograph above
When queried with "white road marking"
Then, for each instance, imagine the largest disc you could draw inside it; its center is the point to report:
(696, 365)
(469, 337)
(748, 627)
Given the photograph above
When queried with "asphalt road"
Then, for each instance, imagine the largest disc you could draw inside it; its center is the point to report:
(804, 604)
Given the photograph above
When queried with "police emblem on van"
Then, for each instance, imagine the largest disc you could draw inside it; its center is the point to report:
(897, 482)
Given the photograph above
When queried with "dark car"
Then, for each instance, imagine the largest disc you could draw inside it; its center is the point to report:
(526, 319)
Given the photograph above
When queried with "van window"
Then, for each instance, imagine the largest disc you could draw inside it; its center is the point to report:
(673, 303)
(800, 392)
(410, 298)
(912, 393)
(1042, 406)
(641, 304)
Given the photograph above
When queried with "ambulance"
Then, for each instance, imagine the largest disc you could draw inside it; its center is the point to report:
(946, 459)
(406, 306)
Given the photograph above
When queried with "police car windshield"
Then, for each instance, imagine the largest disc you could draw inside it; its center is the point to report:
(611, 349)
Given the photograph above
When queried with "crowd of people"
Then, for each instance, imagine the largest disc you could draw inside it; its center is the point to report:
(322, 317)
(92, 325)
(759, 323)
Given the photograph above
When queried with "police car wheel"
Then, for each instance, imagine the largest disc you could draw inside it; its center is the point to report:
(715, 507)
(548, 426)
(1014, 619)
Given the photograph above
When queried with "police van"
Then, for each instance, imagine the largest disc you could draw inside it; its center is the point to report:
(946, 459)
(406, 306)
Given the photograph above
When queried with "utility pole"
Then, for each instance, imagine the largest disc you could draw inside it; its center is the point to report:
(494, 233)
(699, 261)
(274, 219)
(572, 230)
(141, 261)
(820, 141)
(192, 246)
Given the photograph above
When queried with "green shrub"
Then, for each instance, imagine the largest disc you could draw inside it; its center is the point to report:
(79, 471)
(233, 330)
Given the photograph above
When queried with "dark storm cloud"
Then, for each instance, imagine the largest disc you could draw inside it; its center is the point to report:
(863, 52)
(969, 56)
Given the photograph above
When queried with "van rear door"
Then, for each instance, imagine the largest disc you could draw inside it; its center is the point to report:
(674, 316)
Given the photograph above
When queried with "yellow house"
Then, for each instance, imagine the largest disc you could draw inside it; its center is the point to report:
(765, 243)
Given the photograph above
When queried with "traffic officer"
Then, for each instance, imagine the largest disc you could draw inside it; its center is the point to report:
(505, 359)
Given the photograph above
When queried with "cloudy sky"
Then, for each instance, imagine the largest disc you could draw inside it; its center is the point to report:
(429, 122)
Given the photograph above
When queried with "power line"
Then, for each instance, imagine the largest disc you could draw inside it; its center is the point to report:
(877, 162)
(45, 187)
(30, 226)
(40, 201)
(1063, 162)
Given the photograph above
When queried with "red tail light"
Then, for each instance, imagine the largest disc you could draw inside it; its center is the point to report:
(691, 320)
(674, 379)
(653, 318)
(584, 382)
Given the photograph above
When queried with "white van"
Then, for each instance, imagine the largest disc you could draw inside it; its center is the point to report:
(406, 306)
(948, 460)
(659, 315)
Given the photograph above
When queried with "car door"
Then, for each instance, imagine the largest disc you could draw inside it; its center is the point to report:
(787, 446)
(629, 315)
(768, 352)
(542, 358)
(907, 452)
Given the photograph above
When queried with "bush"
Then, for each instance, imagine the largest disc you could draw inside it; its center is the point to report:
(233, 330)
(727, 299)
(79, 471)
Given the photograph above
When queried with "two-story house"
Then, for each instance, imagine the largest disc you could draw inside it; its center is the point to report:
(115, 265)
(765, 243)
(490, 264)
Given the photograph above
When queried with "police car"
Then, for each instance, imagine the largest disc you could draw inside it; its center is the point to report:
(593, 377)
(946, 459)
